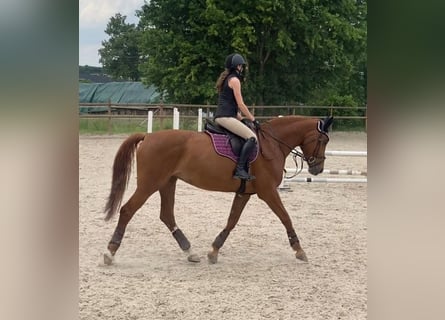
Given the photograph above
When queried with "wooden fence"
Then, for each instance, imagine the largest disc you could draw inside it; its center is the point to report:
(162, 111)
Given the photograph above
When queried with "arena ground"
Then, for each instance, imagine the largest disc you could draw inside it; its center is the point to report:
(257, 275)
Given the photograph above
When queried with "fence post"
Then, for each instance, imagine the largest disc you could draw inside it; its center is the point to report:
(331, 112)
(366, 119)
(109, 116)
(175, 118)
(200, 119)
(150, 122)
(161, 116)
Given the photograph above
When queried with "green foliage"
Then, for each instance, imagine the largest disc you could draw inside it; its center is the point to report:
(119, 54)
(336, 50)
(352, 111)
(337, 100)
(298, 51)
(91, 74)
(90, 69)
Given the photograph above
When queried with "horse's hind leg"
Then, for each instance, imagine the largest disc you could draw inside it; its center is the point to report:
(238, 204)
(126, 213)
(167, 216)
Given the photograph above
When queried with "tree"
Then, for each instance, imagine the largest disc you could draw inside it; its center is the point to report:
(298, 51)
(178, 57)
(119, 55)
(341, 46)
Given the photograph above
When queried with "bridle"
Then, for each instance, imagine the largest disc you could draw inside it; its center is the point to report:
(314, 159)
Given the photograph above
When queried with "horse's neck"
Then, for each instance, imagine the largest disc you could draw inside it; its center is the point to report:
(291, 131)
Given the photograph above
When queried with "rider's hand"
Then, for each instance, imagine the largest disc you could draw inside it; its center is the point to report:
(246, 121)
(256, 124)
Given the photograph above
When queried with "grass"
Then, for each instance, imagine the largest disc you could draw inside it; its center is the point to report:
(117, 126)
(127, 126)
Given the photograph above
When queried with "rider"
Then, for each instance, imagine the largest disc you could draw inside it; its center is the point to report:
(230, 106)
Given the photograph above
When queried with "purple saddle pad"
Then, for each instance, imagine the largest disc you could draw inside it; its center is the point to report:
(222, 147)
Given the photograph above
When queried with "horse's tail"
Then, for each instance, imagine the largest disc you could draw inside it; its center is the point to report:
(121, 173)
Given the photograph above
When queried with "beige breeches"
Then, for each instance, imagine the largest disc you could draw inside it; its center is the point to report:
(236, 126)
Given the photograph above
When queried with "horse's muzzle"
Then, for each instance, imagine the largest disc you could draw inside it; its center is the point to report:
(315, 170)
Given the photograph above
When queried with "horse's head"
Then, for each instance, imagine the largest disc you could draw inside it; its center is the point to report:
(314, 145)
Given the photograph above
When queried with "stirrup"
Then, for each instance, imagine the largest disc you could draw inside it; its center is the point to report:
(243, 175)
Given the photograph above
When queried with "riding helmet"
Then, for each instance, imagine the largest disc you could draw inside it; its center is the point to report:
(234, 60)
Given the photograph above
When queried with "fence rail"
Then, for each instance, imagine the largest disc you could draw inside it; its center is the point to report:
(162, 111)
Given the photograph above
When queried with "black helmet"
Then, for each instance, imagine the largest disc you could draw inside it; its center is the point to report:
(233, 60)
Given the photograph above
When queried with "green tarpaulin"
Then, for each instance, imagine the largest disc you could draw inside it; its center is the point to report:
(115, 92)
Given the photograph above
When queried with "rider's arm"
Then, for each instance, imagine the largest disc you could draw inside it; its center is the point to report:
(235, 84)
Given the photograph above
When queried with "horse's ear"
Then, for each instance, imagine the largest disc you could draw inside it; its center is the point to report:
(327, 123)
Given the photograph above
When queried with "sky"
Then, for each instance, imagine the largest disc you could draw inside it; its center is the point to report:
(93, 18)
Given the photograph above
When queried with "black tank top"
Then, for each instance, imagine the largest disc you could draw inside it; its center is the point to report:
(227, 106)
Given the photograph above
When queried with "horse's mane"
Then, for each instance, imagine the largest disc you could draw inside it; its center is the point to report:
(286, 119)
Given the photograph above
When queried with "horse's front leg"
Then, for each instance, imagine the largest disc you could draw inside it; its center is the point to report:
(238, 204)
(273, 200)
(167, 216)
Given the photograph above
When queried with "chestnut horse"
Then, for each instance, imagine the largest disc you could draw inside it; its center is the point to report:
(165, 156)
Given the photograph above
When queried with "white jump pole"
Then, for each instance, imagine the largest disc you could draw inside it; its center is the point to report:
(284, 186)
(150, 122)
(340, 180)
(327, 171)
(175, 118)
(347, 153)
(200, 119)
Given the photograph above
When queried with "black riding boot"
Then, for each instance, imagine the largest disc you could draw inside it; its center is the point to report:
(240, 170)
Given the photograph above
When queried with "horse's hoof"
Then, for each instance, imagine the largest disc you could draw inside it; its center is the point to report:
(212, 258)
(108, 259)
(194, 258)
(301, 255)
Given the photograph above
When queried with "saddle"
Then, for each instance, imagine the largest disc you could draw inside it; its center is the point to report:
(226, 143)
